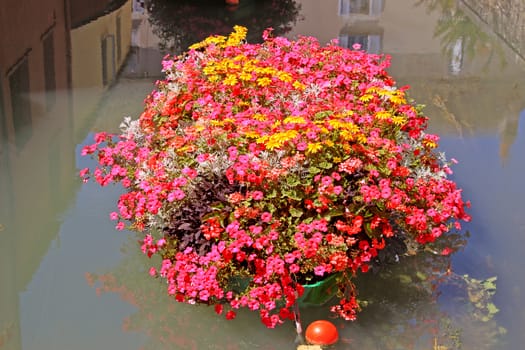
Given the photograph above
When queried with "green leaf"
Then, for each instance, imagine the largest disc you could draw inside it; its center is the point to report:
(421, 276)
(292, 181)
(335, 212)
(325, 165)
(492, 309)
(271, 194)
(291, 194)
(296, 212)
(314, 170)
(405, 279)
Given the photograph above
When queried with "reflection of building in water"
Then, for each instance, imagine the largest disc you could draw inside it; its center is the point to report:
(367, 34)
(145, 57)
(456, 56)
(349, 21)
(47, 47)
(100, 42)
(371, 8)
(454, 68)
(35, 166)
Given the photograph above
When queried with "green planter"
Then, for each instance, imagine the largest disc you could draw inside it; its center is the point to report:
(315, 294)
(319, 293)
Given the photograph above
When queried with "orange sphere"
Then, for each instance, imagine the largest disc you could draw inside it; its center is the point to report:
(322, 332)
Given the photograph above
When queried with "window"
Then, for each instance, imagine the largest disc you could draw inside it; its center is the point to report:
(107, 46)
(456, 57)
(364, 7)
(3, 119)
(48, 43)
(20, 103)
(119, 39)
(370, 43)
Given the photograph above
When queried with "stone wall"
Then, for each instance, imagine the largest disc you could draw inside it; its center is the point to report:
(505, 17)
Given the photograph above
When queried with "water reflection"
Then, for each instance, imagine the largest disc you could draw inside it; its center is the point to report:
(44, 69)
(35, 166)
(403, 309)
(65, 75)
(460, 36)
(469, 86)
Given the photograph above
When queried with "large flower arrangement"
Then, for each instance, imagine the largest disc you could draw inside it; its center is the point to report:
(256, 169)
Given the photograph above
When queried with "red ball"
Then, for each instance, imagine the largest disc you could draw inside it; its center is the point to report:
(322, 332)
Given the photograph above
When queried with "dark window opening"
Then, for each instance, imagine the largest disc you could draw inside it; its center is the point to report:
(49, 70)
(119, 39)
(20, 103)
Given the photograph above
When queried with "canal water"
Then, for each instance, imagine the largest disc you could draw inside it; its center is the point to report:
(69, 280)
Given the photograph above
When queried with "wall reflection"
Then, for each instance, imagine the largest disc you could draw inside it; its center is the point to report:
(58, 58)
(34, 73)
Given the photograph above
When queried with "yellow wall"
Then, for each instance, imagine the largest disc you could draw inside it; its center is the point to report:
(86, 46)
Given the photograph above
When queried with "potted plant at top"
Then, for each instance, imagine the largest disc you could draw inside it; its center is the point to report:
(257, 169)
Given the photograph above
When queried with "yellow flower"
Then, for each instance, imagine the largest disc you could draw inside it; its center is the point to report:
(283, 76)
(361, 138)
(252, 134)
(314, 147)
(232, 65)
(342, 125)
(244, 75)
(366, 98)
(230, 80)
(278, 139)
(264, 81)
(382, 115)
(399, 120)
(209, 70)
(298, 85)
(237, 36)
(429, 143)
(398, 97)
(294, 120)
(336, 124)
(347, 135)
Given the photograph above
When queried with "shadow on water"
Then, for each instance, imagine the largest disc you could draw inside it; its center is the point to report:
(197, 19)
(402, 308)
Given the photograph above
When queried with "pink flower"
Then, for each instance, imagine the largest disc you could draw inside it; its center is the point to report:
(201, 158)
(351, 165)
(266, 217)
(84, 172)
(257, 195)
(191, 173)
(301, 146)
(447, 251)
(176, 195)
